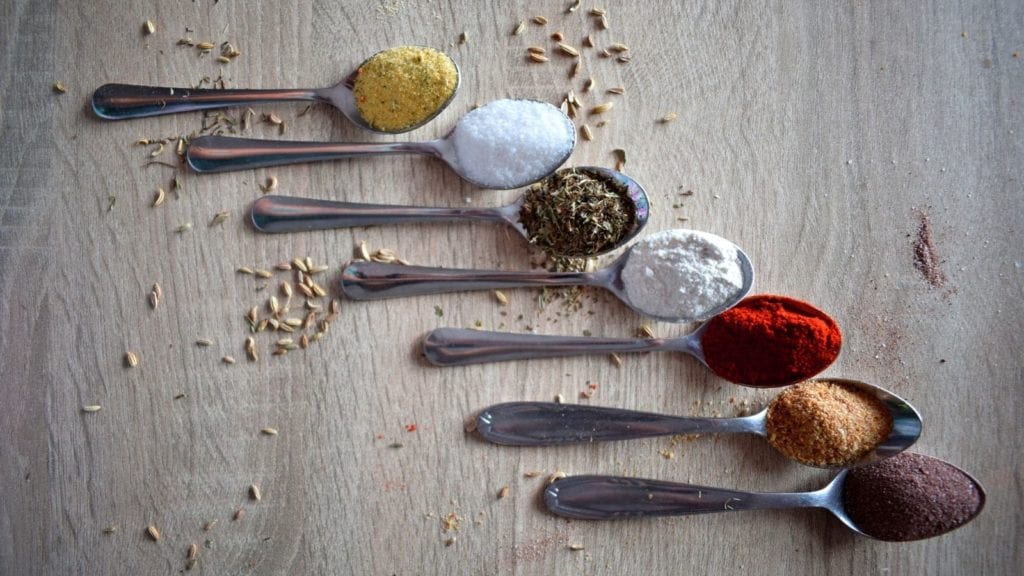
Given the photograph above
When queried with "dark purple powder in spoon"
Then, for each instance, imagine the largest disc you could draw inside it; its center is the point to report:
(910, 497)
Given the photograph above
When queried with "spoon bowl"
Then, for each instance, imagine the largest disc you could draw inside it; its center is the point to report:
(277, 214)
(372, 281)
(592, 497)
(123, 101)
(223, 154)
(549, 423)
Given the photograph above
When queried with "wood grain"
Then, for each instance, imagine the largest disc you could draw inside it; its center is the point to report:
(813, 136)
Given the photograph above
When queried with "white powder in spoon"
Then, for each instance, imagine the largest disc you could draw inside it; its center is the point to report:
(510, 143)
(682, 274)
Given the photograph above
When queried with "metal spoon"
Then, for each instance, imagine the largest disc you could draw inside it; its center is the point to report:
(549, 423)
(276, 214)
(123, 101)
(222, 154)
(371, 281)
(592, 497)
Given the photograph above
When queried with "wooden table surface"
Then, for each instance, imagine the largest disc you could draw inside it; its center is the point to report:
(819, 138)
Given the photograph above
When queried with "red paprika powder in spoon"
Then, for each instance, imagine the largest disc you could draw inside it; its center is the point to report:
(768, 340)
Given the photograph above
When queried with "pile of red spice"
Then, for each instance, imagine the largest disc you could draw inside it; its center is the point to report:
(769, 341)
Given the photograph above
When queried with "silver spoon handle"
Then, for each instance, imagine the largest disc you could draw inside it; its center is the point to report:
(275, 214)
(609, 497)
(548, 423)
(459, 346)
(122, 101)
(222, 153)
(374, 281)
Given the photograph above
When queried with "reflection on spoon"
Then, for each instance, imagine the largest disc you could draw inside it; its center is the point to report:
(369, 280)
(122, 101)
(907, 492)
(549, 423)
(459, 346)
(502, 145)
(276, 214)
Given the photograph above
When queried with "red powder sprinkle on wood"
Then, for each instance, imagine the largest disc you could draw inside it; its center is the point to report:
(925, 258)
(410, 427)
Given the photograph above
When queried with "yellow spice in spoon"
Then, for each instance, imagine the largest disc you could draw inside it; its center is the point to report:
(402, 87)
(824, 423)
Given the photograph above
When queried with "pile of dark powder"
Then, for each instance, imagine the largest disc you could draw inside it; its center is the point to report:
(909, 497)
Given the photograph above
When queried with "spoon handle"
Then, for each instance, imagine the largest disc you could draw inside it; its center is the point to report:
(223, 154)
(274, 214)
(460, 346)
(609, 497)
(549, 423)
(375, 281)
(122, 101)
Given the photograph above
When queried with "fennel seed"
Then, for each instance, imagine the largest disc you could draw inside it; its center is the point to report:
(130, 359)
(219, 218)
(254, 493)
(540, 20)
(568, 50)
(602, 108)
(149, 27)
(268, 431)
(160, 197)
(92, 408)
(153, 533)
